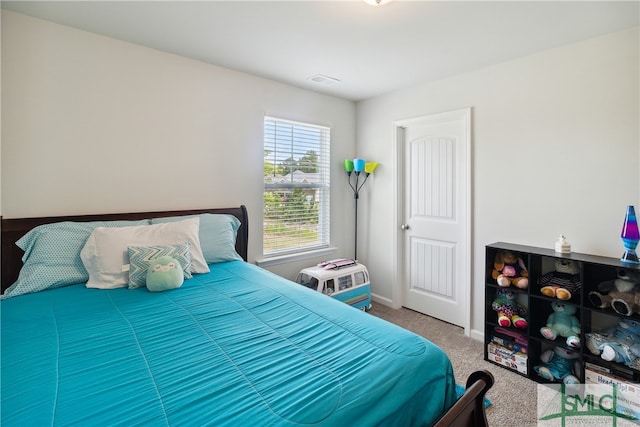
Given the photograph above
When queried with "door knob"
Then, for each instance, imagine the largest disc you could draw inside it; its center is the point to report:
(404, 226)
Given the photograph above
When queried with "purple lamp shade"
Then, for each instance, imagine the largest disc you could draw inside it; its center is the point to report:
(630, 237)
(630, 226)
(358, 165)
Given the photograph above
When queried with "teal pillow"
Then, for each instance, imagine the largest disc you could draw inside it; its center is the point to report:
(141, 256)
(52, 255)
(164, 273)
(217, 235)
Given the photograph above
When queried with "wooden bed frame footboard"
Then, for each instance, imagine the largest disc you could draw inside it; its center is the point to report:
(14, 229)
(469, 411)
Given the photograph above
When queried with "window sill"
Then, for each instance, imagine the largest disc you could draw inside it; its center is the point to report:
(266, 262)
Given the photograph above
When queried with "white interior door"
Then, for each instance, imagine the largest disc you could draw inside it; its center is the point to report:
(435, 215)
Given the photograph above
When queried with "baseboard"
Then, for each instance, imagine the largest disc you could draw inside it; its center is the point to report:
(477, 335)
(384, 301)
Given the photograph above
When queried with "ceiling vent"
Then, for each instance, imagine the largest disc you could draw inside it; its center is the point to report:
(324, 80)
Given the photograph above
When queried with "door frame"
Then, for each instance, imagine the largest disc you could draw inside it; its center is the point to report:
(398, 200)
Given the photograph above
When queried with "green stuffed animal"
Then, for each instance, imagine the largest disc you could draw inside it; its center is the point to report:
(563, 323)
(164, 273)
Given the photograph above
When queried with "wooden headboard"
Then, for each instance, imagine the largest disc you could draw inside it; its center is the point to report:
(14, 229)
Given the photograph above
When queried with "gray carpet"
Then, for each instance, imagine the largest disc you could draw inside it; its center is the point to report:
(513, 397)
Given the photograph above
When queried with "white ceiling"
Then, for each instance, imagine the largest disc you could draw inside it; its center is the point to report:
(371, 50)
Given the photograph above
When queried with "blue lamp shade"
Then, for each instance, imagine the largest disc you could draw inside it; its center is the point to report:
(630, 236)
(358, 165)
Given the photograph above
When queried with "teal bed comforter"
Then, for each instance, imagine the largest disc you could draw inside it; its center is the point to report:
(238, 346)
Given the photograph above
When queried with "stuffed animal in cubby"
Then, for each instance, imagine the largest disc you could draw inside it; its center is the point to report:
(559, 365)
(621, 294)
(563, 323)
(164, 273)
(620, 344)
(509, 270)
(509, 311)
(563, 282)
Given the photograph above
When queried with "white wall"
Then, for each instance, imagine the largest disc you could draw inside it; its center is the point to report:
(94, 125)
(555, 149)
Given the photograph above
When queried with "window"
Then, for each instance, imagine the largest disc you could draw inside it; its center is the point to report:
(360, 278)
(308, 281)
(296, 187)
(344, 282)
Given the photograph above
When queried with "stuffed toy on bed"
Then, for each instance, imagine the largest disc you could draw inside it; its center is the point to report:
(562, 323)
(559, 365)
(509, 270)
(508, 310)
(562, 283)
(164, 273)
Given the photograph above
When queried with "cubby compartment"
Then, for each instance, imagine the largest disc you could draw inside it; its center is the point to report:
(510, 339)
(613, 290)
(507, 268)
(547, 272)
(559, 362)
(598, 282)
(558, 278)
(516, 304)
(606, 330)
(556, 321)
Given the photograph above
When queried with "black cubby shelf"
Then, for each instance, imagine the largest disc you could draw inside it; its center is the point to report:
(593, 271)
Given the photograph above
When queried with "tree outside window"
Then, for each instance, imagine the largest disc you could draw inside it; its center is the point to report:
(296, 187)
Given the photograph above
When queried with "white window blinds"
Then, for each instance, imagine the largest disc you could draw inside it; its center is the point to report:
(296, 187)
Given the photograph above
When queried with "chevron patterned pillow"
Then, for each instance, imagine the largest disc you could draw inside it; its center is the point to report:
(140, 256)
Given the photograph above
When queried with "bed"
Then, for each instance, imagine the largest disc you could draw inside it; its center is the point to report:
(236, 345)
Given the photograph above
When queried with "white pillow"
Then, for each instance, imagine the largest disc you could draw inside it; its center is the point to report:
(106, 257)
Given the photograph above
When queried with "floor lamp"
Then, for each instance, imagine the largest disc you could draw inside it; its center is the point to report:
(354, 168)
